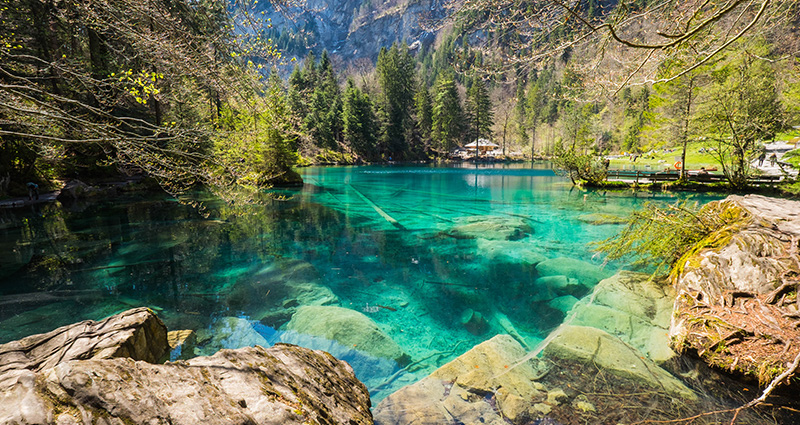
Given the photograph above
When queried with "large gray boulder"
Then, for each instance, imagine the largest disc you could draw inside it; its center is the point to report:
(137, 334)
(284, 384)
(736, 303)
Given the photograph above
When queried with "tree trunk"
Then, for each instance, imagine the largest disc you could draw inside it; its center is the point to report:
(685, 129)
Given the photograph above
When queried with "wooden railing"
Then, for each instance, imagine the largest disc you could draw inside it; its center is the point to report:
(666, 176)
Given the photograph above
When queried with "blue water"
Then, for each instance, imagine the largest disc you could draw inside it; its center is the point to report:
(416, 249)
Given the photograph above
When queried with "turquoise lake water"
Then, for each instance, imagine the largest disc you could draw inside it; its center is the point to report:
(436, 256)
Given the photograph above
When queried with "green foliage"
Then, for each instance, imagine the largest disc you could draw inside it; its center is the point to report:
(360, 123)
(93, 88)
(741, 107)
(423, 114)
(395, 71)
(660, 236)
(580, 167)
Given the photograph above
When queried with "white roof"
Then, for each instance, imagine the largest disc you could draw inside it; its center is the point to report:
(481, 142)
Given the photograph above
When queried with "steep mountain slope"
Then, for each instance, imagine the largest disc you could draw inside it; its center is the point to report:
(354, 28)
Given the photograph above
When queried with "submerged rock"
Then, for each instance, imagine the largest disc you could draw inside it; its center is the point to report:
(736, 304)
(273, 294)
(492, 381)
(347, 327)
(586, 274)
(229, 332)
(491, 228)
(607, 352)
(599, 219)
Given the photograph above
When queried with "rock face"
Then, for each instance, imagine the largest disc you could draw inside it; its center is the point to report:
(88, 378)
(349, 328)
(354, 29)
(137, 334)
(737, 304)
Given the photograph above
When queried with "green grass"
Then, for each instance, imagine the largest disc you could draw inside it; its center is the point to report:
(792, 157)
(788, 136)
(694, 159)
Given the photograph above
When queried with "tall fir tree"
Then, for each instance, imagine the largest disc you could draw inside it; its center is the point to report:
(360, 126)
(448, 117)
(423, 114)
(395, 69)
(479, 115)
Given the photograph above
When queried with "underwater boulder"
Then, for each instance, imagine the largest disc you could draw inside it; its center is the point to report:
(586, 273)
(490, 227)
(599, 219)
(458, 392)
(272, 294)
(509, 252)
(347, 327)
(228, 332)
(608, 353)
(560, 284)
(563, 303)
(632, 307)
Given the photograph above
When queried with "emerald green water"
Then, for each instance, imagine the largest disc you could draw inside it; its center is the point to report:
(414, 248)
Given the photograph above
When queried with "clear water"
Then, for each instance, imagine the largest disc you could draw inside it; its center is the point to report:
(381, 240)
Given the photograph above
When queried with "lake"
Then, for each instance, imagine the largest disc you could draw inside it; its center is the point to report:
(438, 258)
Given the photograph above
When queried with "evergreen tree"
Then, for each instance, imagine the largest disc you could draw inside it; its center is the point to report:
(359, 122)
(423, 113)
(479, 115)
(298, 93)
(448, 117)
(395, 69)
(323, 119)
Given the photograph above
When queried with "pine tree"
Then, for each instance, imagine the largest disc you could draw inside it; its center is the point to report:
(480, 117)
(359, 122)
(395, 69)
(447, 122)
(423, 113)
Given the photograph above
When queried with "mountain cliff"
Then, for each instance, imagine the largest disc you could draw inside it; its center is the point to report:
(354, 28)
